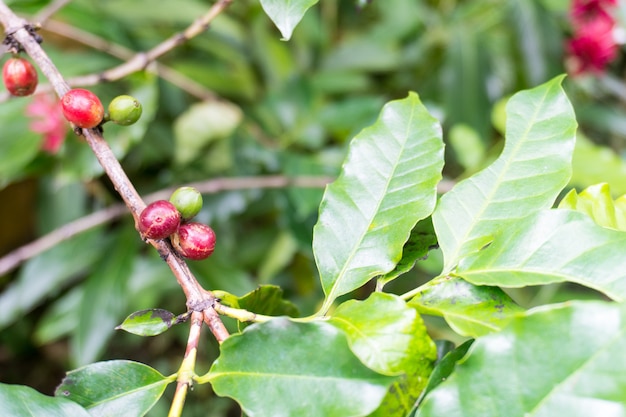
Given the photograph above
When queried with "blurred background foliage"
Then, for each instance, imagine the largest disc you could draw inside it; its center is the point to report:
(257, 106)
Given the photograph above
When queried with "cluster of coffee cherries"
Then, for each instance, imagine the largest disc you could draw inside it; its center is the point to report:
(172, 219)
(81, 107)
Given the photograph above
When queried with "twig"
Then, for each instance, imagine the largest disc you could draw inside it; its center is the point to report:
(53, 7)
(196, 296)
(186, 371)
(16, 257)
(241, 314)
(141, 60)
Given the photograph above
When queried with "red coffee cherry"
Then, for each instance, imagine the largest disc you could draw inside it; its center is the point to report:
(159, 220)
(83, 108)
(20, 77)
(194, 241)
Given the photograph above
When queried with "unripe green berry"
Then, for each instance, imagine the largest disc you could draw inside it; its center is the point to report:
(188, 201)
(124, 110)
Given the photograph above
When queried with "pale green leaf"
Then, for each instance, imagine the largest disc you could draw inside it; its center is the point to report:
(596, 202)
(527, 177)
(286, 14)
(389, 337)
(282, 368)
(552, 246)
(385, 333)
(470, 310)
(387, 184)
(114, 388)
(564, 360)
(21, 401)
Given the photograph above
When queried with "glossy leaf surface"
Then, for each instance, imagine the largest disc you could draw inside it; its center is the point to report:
(148, 322)
(528, 176)
(387, 184)
(469, 309)
(553, 246)
(281, 368)
(286, 14)
(114, 388)
(389, 337)
(21, 401)
(562, 360)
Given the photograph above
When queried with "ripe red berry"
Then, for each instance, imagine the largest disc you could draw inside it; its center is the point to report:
(194, 241)
(20, 77)
(159, 220)
(83, 108)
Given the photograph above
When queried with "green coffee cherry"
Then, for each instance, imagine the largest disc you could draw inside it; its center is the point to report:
(188, 201)
(124, 110)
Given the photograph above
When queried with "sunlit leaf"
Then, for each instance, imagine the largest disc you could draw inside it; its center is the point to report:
(295, 369)
(527, 177)
(469, 309)
(286, 14)
(389, 337)
(21, 401)
(552, 246)
(562, 360)
(596, 202)
(388, 183)
(114, 388)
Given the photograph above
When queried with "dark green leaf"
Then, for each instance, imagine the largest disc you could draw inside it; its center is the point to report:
(445, 366)
(148, 322)
(388, 183)
(527, 177)
(114, 388)
(421, 241)
(561, 360)
(268, 300)
(286, 14)
(21, 401)
(45, 274)
(105, 297)
(469, 309)
(552, 246)
(282, 368)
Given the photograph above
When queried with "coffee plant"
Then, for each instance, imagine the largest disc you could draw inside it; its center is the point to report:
(420, 304)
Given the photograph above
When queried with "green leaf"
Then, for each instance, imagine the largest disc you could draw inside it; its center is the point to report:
(286, 14)
(385, 333)
(446, 366)
(469, 310)
(21, 401)
(390, 338)
(562, 360)
(19, 145)
(387, 184)
(421, 241)
(58, 265)
(149, 322)
(282, 368)
(593, 164)
(201, 124)
(114, 388)
(527, 177)
(596, 202)
(552, 246)
(105, 297)
(268, 300)
(467, 145)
